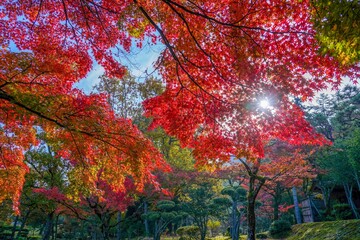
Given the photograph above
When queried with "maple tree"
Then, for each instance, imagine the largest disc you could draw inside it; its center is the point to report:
(226, 57)
(289, 168)
(89, 208)
(37, 94)
(220, 59)
(55, 187)
(124, 95)
(283, 166)
(45, 171)
(101, 205)
(34, 99)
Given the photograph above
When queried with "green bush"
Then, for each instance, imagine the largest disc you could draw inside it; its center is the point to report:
(341, 211)
(5, 235)
(279, 227)
(213, 227)
(188, 232)
(326, 215)
(23, 233)
(261, 236)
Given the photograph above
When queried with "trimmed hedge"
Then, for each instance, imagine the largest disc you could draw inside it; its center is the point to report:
(188, 232)
(279, 227)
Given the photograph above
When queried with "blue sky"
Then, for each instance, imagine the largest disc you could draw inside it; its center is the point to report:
(138, 61)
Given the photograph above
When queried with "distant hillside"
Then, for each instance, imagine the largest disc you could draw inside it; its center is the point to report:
(336, 230)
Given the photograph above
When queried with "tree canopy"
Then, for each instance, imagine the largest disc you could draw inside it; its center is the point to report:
(337, 24)
(221, 59)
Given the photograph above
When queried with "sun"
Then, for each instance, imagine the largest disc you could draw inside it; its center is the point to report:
(264, 103)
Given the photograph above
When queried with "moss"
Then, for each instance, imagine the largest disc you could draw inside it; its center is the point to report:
(336, 230)
(344, 230)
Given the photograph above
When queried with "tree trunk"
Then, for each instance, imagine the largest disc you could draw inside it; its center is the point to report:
(56, 227)
(276, 209)
(235, 222)
(146, 222)
(203, 232)
(118, 229)
(23, 222)
(173, 232)
(105, 230)
(358, 183)
(277, 197)
(13, 231)
(203, 235)
(201, 223)
(251, 218)
(157, 231)
(236, 233)
(296, 206)
(357, 180)
(348, 192)
(253, 191)
(326, 192)
(326, 196)
(92, 231)
(48, 226)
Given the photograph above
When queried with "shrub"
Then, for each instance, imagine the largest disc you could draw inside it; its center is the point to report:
(188, 232)
(342, 211)
(279, 227)
(325, 215)
(213, 227)
(261, 236)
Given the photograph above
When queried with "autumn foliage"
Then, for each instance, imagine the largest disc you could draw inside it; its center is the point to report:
(227, 56)
(37, 95)
(221, 58)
